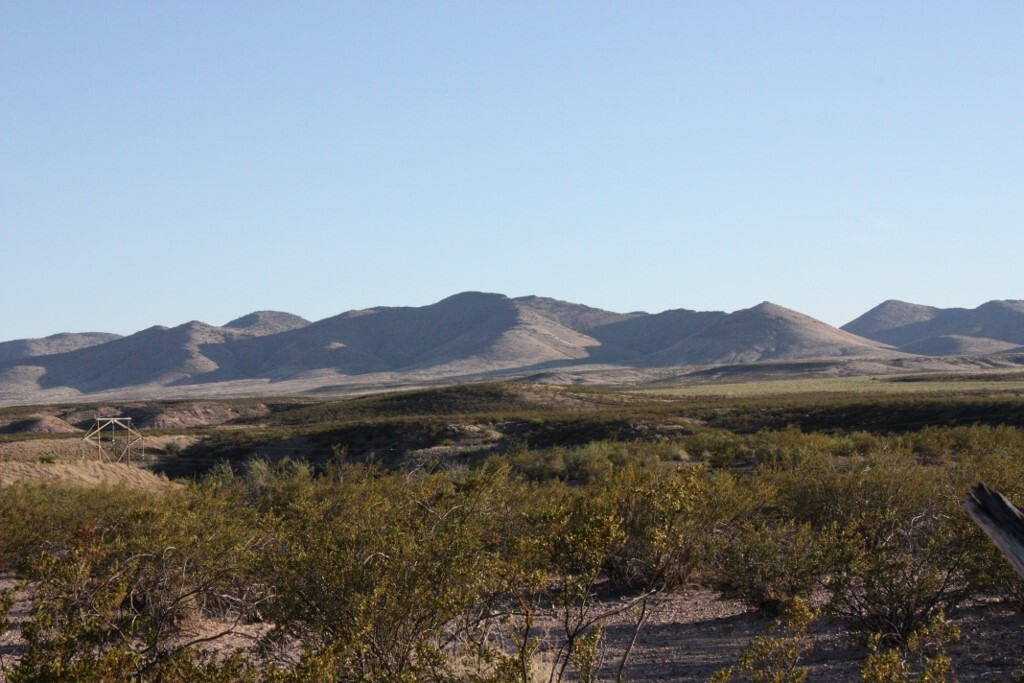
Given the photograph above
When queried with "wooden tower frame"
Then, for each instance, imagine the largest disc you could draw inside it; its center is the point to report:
(115, 439)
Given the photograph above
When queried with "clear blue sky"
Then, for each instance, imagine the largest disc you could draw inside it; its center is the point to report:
(168, 161)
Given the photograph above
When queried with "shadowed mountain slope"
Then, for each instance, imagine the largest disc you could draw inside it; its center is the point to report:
(768, 332)
(650, 334)
(883, 321)
(623, 336)
(574, 316)
(57, 343)
(484, 335)
(471, 329)
(921, 329)
(958, 345)
(157, 355)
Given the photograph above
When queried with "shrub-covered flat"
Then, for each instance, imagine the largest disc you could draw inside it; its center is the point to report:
(506, 532)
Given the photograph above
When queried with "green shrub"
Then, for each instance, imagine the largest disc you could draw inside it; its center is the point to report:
(377, 568)
(767, 564)
(987, 570)
(36, 516)
(112, 598)
(790, 446)
(719, 448)
(901, 557)
(542, 465)
(898, 570)
(936, 445)
(775, 656)
(374, 574)
(926, 645)
(662, 512)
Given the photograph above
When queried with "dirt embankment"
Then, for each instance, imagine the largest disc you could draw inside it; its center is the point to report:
(153, 415)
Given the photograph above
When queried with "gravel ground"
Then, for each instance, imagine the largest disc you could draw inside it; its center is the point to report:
(691, 635)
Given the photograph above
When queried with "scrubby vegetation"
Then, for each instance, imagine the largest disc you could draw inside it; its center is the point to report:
(348, 568)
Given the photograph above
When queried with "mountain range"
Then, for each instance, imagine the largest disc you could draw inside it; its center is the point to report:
(477, 335)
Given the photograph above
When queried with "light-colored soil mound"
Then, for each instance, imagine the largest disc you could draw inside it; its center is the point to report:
(201, 415)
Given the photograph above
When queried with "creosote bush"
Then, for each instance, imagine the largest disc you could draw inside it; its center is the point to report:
(775, 657)
(357, 573)
(922, 658)
(768, 563)
(900, 555)
(664, 516)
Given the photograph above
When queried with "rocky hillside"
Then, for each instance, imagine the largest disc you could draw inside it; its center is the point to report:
(476, 335)
(262, 323)
(57, 343)
(768, 332)
(994, 327)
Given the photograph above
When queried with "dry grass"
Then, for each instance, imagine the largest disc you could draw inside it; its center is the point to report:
(82, 472)
(65, 460)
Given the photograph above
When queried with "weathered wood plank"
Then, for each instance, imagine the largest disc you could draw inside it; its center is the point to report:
(1000, 520)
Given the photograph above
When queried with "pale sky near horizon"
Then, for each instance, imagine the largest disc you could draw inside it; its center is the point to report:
(168, 161)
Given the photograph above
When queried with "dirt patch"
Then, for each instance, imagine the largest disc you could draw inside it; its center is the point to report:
(10, 637)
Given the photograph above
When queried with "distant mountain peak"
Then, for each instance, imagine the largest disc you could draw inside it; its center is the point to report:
(765, 332)
(889, 315)
(768, 308)
(477, 334)
(942, 331)
(267, 322)
(472, 297)
(1014, 305)
(55, 343)
(194, 325)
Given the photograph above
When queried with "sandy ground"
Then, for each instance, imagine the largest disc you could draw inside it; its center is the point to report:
(690, 636)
